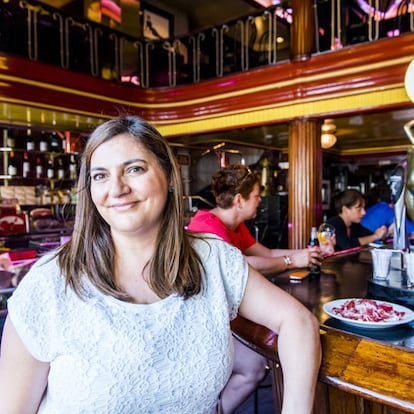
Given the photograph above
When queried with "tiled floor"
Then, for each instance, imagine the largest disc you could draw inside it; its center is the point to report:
(261, 402)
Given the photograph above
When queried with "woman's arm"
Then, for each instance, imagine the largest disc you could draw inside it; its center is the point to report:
(299, 346)
(271, 261)
(379, 234)
(23, 379)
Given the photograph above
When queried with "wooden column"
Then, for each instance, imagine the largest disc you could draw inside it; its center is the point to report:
(304, 149)
(302, 30)
(305, 180)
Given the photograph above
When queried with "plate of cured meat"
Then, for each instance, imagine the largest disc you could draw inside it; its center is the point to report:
(368, 313)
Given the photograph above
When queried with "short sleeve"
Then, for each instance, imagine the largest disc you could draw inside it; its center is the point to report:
(246, 237)
(226, 271)
(33, 309)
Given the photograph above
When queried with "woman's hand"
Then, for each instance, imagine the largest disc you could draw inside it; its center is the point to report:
(306, 257)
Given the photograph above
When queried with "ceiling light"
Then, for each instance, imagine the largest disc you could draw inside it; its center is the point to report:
(409, 81)
(328, 126)
(328, 140)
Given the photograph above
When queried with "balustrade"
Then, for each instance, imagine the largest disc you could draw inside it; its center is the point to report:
(45, 34)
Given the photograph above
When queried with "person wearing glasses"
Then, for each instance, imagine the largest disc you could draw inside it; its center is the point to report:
(237, 194)
(350, 233)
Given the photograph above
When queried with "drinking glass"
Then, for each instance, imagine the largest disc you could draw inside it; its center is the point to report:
(381, 262)
(409, 261)
(326, 238)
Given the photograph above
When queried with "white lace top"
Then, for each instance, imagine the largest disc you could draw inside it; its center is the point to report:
(108, 356)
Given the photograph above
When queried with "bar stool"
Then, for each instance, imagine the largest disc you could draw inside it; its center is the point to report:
(277, 388)
(275, 370)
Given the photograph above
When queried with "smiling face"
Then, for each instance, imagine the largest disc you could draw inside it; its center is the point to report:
(128, 186)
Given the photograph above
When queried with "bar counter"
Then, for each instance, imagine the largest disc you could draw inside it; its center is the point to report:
(363, 370)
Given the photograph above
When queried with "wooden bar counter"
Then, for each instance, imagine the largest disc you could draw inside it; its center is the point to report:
(363, 371)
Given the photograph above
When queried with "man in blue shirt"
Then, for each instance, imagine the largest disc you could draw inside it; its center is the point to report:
(382, 211)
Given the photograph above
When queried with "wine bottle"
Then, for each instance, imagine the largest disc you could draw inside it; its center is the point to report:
(30, 145)
(12, 168)
(50, 171)
(73, 168)
(55, 142)
(39, 168)
(8, 140)
(26, 165)
(314, 270)
(60, 169)
(43, 144)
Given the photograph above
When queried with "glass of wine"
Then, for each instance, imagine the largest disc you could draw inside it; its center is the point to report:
(326, 238)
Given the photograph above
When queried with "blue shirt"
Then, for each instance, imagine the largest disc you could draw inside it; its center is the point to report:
(381, 214)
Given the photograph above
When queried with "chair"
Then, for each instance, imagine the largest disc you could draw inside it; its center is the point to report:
(240, 325)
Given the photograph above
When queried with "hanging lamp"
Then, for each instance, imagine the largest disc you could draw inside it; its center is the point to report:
(328, 138)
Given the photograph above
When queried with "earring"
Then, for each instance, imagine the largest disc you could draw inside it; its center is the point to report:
(171, 188)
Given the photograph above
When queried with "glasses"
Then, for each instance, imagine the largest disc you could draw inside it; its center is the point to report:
(244, 179)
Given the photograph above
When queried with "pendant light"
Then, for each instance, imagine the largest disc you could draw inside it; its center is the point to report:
(328, 138)
(409, 87)
(409, 81)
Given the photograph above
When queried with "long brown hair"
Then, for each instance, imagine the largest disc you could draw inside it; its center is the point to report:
(175, 268)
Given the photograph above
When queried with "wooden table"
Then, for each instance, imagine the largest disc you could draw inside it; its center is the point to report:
(362, 371)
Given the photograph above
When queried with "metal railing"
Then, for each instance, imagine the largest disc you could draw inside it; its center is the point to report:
(44, 34)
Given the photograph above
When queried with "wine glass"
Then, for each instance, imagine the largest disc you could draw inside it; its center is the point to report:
(326, 238)
(325, 232)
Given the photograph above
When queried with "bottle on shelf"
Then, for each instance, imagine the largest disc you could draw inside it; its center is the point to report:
(66, 142)
(8, 140)
(60, 169)
(73, 168)
(26, 165)
(39, 168)
(12, 167)
(43, 144)
(314, 270)
(55, 143)
(50, 170)
(30, 145)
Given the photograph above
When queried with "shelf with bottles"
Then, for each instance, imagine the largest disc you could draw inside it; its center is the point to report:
(41, 140)
(30, 167)
(31, 157)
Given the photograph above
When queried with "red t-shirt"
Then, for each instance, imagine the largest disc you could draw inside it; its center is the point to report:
(206, 222)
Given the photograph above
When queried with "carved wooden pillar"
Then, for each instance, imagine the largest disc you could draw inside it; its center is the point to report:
(302, 30)
(305, 180)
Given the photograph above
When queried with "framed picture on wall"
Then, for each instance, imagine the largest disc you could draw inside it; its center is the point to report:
(156, 24)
